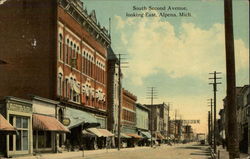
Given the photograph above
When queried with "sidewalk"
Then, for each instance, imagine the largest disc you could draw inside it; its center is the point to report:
(75, 154)
(223, 154)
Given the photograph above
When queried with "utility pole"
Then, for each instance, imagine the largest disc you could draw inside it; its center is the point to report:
(211, 121)
(209, 128)
(175, 124)
(152, 95)
(120, 100)
(233, 138)
(215, 90)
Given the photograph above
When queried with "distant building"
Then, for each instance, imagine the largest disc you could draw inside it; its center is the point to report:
(128, 117)
(142, 124)
(160, 120)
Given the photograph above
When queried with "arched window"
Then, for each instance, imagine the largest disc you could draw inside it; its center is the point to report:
(59, 84)
(66, 88)
(60, 47)
(67, 52)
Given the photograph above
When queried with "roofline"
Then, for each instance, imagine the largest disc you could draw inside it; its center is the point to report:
(46, 100)
(17, 99)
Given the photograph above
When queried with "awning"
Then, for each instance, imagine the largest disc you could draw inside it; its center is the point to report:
(134, 136)
(78, 117)
(95, 131)
(146, 134)
(125, 136)
(106, 133)
(5, 126)
(47, 123)
(85, 133)
(98, 132)
(159, 136)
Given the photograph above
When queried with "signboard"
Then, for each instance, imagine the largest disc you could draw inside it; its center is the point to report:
(66, 121)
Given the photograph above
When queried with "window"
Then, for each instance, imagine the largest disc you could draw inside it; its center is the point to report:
(21, 140)
(66, 88)
(67, 52)
(59, 85)
(60, 47)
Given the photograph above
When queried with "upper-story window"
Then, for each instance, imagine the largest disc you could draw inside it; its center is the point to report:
(60, 47)
(67, 52)
(59, 84)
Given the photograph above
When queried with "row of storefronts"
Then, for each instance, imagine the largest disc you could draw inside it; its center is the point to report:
(42, 125)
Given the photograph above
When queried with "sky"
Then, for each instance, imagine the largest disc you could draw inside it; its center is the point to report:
(176, 54)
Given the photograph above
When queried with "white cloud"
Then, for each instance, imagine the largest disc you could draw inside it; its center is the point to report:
(154, 45)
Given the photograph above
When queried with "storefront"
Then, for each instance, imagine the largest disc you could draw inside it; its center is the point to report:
(80, 121)
(48, 131)
(146, 138)
(45, 131)
(18, 113)
(5, 129)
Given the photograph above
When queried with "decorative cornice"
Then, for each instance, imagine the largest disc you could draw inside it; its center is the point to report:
(76, 10)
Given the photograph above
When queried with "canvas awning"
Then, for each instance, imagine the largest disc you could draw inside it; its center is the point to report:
(95, 131)
(78, 117)
(146, 134)
(99, 132)
(47, 123)
(85, 133)
(106, 133)
(159, 136)
(134, 136)
(125, 136)
(5, 126)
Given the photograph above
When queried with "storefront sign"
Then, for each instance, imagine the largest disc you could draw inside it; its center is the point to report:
(19, 107)
(66, 121)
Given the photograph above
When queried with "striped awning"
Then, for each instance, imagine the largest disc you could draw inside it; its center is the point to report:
(47, 123)
(5, 126)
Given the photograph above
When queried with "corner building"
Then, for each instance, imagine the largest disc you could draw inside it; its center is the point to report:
(54, 49)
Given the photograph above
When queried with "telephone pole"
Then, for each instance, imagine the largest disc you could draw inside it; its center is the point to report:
(151, 93)
(209, 128)
(211, 121)
(120, 99)
(215, 78)
(233, 138)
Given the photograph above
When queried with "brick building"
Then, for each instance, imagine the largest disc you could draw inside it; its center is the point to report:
(113, 91)
(128, 120)
(160, 120)
(54, 49)
(60, 53)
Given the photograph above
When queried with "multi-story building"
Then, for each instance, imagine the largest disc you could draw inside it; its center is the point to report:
(142, 123)
(113, 91)
(160, 119)
(243, 106)
(55, 49)
(128, 118)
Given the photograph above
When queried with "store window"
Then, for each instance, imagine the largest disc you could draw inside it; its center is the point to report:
(21, 139)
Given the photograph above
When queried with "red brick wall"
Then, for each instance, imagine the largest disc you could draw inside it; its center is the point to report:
(85, 69)
(128, 108)
(29, 69)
